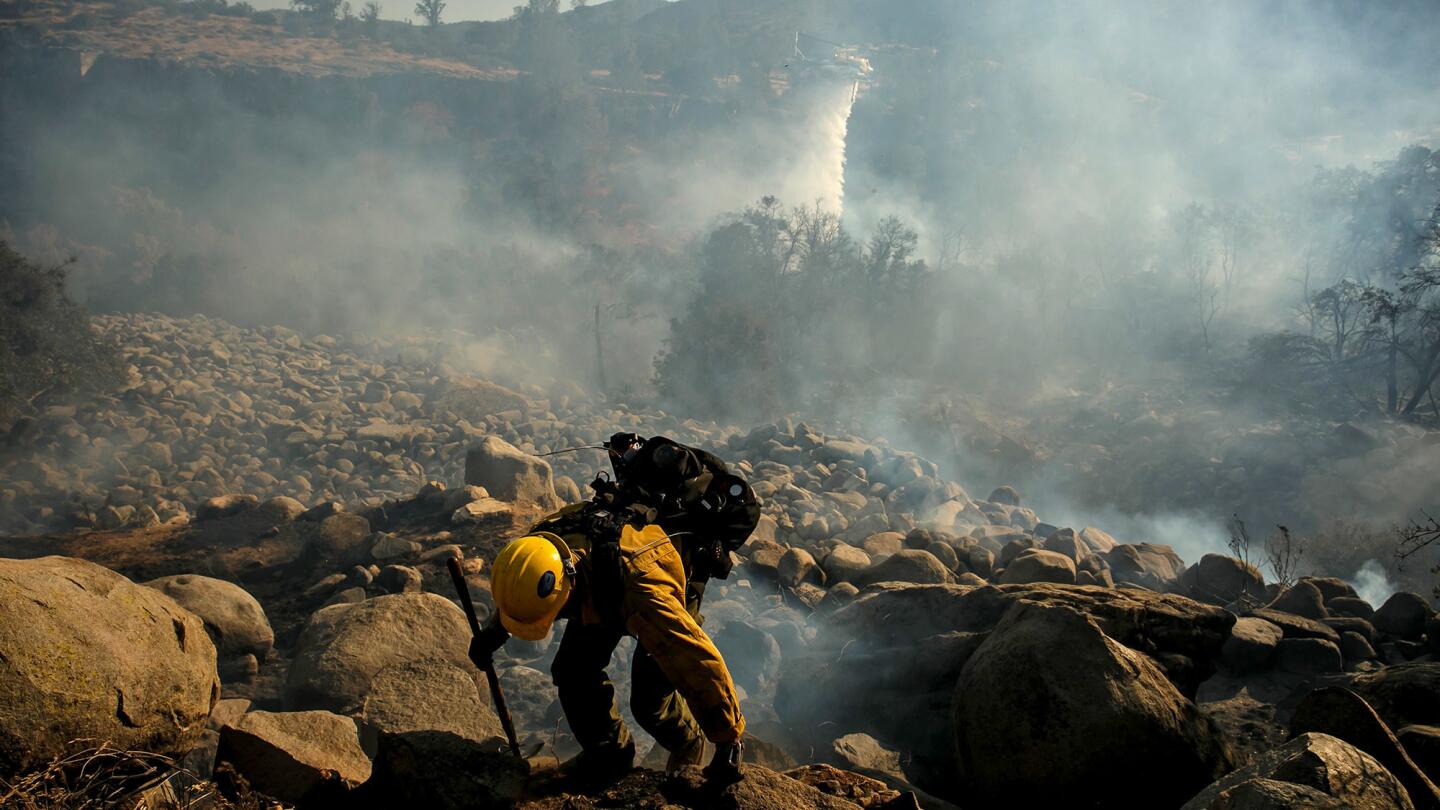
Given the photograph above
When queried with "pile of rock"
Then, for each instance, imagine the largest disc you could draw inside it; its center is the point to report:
(880, 619)
(212, 409)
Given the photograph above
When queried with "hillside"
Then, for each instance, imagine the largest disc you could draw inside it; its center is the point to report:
(213, 41)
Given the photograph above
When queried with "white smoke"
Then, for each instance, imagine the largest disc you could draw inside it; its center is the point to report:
(1373, 583)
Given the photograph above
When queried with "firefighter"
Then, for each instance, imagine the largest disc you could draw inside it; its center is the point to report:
(611, 577)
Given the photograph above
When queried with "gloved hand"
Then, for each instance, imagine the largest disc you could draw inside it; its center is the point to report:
(725, 766)
(484, 646)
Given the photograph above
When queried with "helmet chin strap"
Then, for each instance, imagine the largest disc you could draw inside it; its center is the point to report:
(567, 557)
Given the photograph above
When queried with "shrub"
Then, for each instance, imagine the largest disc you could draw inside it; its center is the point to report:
(47, 345)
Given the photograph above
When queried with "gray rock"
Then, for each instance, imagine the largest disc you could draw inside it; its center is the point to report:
(1403, 616)
(1039, 565)
(348, 596)
(390, 546)
(1316, 761)
(839, 595)
(343, 647)
(1007, 495)
(1067, 542)
(844, 563)
(1346, 624)
(297, 757)
(1149, 565)
(883, 544)
(222, 506)
(1099, 542)
(1296, 626)
(340, 539)
(1308, 656)
(426, 695)
(1302, 599)
(281, 509)
(481, 511)
(945, 553)
(906, 565)
(1048, 692)
(1251, 644)
(532, 698)
(1350, 606)
(1220, 580)
(980, 560)
(233, 618)
(511, 475)
(399, 579)
(88, 654)
(796, 565)
(1331, 587)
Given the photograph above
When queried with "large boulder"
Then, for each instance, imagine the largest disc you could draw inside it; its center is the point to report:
(1221, 580)
(1067, 542)
(1039, 565)
(1296, 626)
(1343, 714)
(861, 672)
(1049, 701)
(1149, 565)
(797, 565)
(426, 695)
(1308, 656)
(1403, 615)
(1252, 641)
(509, 474)
(233, 618)
(338, 540)
(1403, 694)
(345, 646)
(532, 698)
(87, 654)
(1316, 761)
(1272, 794)
(296, 757)
(905, 565)
(1302, 599)
(844, 563)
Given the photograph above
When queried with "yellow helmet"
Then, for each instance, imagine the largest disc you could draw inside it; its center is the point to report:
(531, 580)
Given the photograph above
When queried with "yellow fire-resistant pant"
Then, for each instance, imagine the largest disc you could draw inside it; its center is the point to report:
(680, 686)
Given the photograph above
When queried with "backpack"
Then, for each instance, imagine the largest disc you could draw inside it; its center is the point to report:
(690, 492)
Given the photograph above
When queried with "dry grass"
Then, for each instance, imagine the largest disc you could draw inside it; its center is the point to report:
(99, 776)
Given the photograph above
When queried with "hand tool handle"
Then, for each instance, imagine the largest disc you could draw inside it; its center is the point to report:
(496, 694)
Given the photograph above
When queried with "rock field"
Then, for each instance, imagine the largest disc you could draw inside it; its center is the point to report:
(271, 516)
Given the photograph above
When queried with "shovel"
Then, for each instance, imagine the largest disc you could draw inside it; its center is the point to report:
(496, 694)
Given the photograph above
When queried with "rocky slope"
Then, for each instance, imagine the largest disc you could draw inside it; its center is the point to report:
(897, 640)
